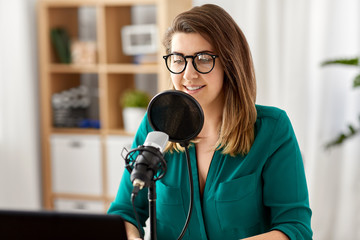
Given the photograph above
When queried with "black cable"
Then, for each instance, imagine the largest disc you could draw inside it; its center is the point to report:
(191, 194)
(133, 195)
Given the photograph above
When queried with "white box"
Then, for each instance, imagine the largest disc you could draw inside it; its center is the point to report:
(76, 164)
(139, 39)
(115, 161)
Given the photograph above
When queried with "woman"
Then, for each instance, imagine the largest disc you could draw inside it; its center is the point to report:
(249, 180)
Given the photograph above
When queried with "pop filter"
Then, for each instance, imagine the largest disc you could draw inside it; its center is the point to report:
(177, 114)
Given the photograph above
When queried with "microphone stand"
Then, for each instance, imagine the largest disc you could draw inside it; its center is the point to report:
(152, 200)
(152, 209)
(151, 168)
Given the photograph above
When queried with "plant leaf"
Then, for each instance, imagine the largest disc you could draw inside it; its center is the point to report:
(352, 130)
(356, 81)
(134, 98)
(342, 137)
(349, 61)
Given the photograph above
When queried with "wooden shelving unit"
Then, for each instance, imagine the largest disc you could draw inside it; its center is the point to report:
(115, 72)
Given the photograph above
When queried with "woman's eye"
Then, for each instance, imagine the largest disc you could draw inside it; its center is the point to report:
(178, 61)
(204, 59)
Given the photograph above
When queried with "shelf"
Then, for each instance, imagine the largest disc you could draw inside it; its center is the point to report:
(75, 130)
(147, 68)
(77, 3)
(73, 68)
(110, 74)
(116, 132)
(132, 68)
(121, 132)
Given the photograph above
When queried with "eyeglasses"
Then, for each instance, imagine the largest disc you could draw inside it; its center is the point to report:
(202, 62)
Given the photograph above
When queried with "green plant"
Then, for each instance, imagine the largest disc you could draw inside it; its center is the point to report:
(352, 131)
(134, 98)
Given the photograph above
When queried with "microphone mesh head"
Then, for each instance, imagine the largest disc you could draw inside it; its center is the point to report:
(177, 114)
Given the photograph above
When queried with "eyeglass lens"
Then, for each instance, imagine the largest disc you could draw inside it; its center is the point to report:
(203, 62)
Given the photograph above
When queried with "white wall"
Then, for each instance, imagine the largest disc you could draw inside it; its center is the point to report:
(19, 127)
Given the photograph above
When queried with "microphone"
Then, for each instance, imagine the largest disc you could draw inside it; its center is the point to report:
(181, 117)
(175, 116)
(149, 160)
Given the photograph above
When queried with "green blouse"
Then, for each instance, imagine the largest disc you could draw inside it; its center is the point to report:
(243, 195)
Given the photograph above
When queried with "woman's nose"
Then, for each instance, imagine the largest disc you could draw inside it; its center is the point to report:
(190, 72)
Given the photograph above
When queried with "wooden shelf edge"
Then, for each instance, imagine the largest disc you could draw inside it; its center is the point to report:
(75, 131)
(85, 131)
(132, 68)
(121, 132)
(74, 68)
(77, 3)
(109, 68)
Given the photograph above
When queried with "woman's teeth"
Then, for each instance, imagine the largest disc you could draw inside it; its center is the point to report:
(193, 88)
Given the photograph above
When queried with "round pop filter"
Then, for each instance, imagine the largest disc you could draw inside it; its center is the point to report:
(177, 114)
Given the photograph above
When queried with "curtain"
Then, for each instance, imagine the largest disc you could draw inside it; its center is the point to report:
(289, 41)
(19, 130)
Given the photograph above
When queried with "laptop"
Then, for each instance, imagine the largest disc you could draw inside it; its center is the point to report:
(20, 224)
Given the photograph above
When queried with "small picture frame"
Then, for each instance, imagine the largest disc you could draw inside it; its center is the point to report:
(139, 39)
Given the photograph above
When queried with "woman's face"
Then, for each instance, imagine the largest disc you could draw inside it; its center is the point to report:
(205, 88)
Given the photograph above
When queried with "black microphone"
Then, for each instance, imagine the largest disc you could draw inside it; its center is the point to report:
(179, 115)
(149, 161)
(175, 116)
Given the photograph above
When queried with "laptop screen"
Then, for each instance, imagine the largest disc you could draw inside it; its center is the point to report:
(57, 225)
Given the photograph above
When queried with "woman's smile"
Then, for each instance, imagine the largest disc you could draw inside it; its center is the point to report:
(193, 88)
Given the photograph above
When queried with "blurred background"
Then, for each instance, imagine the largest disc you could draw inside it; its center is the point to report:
(289, 41)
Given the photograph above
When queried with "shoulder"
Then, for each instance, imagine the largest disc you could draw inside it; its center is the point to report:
(273, 121)
(269, 112)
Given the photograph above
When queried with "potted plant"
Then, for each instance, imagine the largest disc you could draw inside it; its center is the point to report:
(134, 104)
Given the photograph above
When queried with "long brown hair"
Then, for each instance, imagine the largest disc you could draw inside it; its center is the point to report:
(239, 115)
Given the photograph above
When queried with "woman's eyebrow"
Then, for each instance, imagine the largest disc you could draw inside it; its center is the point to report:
(205, 51)
(202, 51)
(177, 53)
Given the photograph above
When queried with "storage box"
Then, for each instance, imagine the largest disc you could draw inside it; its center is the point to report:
(76, 164)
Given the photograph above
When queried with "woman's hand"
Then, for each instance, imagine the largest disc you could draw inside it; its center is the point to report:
(273, 235)
(132, 232)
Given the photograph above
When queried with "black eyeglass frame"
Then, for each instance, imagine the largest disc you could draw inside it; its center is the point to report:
(213, 56)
